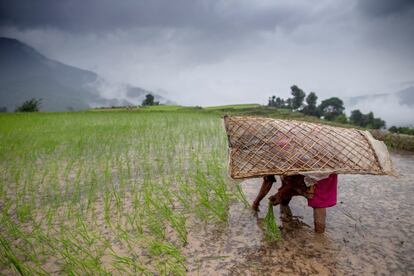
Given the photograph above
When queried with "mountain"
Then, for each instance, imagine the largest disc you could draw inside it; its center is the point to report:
(25, 74)
(395, 108)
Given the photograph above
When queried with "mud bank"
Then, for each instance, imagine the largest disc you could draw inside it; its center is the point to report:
(369, 231)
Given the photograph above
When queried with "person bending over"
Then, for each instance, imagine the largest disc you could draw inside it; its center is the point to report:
(320, 194)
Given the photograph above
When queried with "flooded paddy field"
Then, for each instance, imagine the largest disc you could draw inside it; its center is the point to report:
(147, 193)
(369, 231)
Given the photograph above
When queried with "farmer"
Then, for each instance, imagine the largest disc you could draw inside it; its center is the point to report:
(320, 190)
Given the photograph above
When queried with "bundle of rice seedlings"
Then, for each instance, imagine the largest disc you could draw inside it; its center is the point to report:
(272, 231)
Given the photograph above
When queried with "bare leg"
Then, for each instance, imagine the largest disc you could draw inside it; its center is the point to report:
(284, 194)
(285, 212)
(319, 218)
(264, 190)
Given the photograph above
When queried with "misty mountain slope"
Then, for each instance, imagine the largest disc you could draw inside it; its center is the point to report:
(25, 74)
(395, 108)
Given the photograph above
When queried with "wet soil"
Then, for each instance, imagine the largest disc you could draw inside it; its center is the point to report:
(369, 231)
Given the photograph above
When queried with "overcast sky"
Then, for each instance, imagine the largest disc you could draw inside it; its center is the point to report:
(207, 52)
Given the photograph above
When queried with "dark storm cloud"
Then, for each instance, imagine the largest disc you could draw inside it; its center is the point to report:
(213, 19)
(105, 15)
(391, 24)
(379, 8)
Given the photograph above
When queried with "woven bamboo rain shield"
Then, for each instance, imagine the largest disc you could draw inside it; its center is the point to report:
(263, 146)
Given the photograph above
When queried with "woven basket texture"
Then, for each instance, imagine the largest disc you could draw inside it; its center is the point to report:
(263, 146)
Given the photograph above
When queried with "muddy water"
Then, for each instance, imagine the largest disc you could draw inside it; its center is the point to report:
(369, 231)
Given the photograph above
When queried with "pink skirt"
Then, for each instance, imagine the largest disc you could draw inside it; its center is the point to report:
(325, 192)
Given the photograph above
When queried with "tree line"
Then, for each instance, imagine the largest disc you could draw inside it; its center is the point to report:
(33, 105)
(331, 109)
(402, 130)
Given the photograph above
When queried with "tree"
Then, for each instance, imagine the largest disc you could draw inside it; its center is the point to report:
(276, 102)
(149, 100)
(402, 130)
(311, 108)
(280, 103)
(332, 107)
(3, 109)
(393, 129)
(356, 117)
(288, 103)
(366, 120)
(31, 105)
(376, 123)
(298, 97)
(341, 119)
(311, 100)
(272, 101)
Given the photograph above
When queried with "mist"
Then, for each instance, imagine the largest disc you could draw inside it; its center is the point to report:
(389, 108)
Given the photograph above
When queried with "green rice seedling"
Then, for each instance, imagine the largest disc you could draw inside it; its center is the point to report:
(92, 191)
(50, 215)
(135, 267)
(139, 172)
(23, 250)
(241, 196)
(118, 201)
(2, 187)
(107, 207)
(272, 231)
(176, 220)
(155, 226)
(84, 231)
(7, 254)
(168, 258)
(134, 220)
(213, 195)
(183, 198)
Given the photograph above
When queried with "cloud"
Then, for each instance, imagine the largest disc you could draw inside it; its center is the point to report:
(381, 8)
(388, 108)
(106, 15)
(207, 52)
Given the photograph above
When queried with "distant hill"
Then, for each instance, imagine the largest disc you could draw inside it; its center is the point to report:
(25, 74)
(395, 108)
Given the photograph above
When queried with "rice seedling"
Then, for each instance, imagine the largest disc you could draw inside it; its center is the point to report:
(8, 255)
(100, 192)
(241, 196)
(272, 231)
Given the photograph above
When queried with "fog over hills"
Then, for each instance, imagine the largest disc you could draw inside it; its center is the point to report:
(25, 74)
(395, 108)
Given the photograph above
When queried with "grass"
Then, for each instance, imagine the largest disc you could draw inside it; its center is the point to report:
(163, 107)
(108, 192)
(234, 106)
(272, 231)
